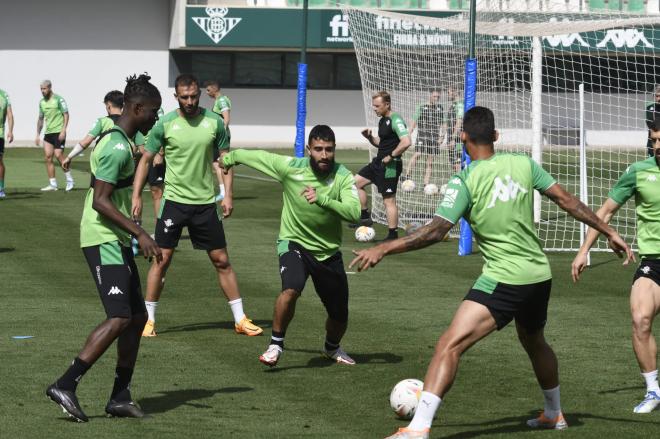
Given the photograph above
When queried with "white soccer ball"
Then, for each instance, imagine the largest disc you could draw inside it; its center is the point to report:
(443, 189)
(405, 397)
(408, 186)
(364, 234)
(430, 189)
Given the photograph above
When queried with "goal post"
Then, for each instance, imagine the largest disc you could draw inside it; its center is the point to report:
(530, 67)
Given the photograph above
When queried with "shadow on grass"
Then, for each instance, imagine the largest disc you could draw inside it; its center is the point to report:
(21, 195)
(211, 325)
(517, 424)
(640, 388)
(172, 399)
(7, 249)
(319, 361)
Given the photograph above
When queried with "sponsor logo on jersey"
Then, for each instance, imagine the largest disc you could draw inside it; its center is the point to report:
(216, 25)
(114, 291)
(505, 190)
(450, 198)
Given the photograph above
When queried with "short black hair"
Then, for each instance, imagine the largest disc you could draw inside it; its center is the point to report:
(655, 125)
(115, 97)
(138, 88)
(212, 82)
(185, 79)
(321, 132)
(479, 125)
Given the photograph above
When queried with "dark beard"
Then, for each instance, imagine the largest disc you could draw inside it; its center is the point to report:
(318, 171)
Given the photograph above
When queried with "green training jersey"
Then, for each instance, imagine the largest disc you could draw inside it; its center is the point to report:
(142, 139)
(642, 179)
(101, 125)
(53, 111)
(496, 196)
(189, 145)
(111, 161)
(317, 227)
(5, 104)
(222, 104)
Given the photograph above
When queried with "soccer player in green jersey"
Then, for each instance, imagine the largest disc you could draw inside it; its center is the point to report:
(384, 170)
(54, 110)
(318, 194)
(189, 135)
(221, 107)
(114, 102)
(652, 111)
(6, 114)
(641, 180)
(495, 194)
(105, 235)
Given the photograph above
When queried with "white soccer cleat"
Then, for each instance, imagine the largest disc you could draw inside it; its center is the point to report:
(2, 194)
(651, 402)
(49, 188)
(339, 356)
(69, 185)
(556, 423)
(406, 433)
(271, 356)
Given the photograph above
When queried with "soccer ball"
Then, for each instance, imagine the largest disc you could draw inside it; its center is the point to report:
(364, 234)
(430, 189)
(408, 186)
(443, 189)
(405, 397)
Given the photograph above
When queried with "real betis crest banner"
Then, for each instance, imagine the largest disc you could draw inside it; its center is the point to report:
(329, 29)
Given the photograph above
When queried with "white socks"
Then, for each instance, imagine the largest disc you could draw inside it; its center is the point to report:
(237, 309)
(52, 182)
(552, 406)
(428, 404)
(651, 379)
(151, 310)
(68, 176)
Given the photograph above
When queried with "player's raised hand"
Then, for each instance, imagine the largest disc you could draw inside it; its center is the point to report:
(578, 266)
(366, 133)
(619, 246)
(66, 164)
(136, 208)
(310, 194)
(149, 247)
(367, 258)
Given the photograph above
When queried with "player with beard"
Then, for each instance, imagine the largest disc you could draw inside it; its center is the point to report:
(318, 194)
(105, 238)
(189, 136)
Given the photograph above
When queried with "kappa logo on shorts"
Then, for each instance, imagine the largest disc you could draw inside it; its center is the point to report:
(646, 269)
(168, 223)
(298, 253)
(115, 291)
(282, 268)
(389, 191)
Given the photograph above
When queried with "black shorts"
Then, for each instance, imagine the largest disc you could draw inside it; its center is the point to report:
(528, 304)
(329, 277)
(204, 225)
(116, 278)
(648, 268)
(156, 174)
(385, 177)
(427, 145)
(2, 146)
(54, 139)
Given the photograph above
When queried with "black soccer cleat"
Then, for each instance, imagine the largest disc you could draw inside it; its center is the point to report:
(123, 409)
(68, 401)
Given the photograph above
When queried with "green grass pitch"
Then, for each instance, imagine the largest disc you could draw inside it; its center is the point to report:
(199, 379)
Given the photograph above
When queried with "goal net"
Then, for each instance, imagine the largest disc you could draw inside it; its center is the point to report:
(568, 89)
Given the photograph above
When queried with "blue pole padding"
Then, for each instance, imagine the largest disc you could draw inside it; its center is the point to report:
(470, 93)
(301, 114)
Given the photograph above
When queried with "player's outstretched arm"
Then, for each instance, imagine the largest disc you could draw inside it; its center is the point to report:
(429, 234)
(102, 203)
(273, 165)
(138, 184)
(605, 213)
(581, 212)
(76, 151)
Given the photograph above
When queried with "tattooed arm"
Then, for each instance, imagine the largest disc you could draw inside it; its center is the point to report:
(423, 237)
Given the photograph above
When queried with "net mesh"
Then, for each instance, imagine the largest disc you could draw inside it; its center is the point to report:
(530, 67)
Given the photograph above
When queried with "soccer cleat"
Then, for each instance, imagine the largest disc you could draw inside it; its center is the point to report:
(339, 356)
(123, 409)
(366, 222)
(245, 326)
(651, 402)
(68, 401)
(49, 188)
(556, 423)
(149, 329)
(2, 194)
(271, 356)
(69, 185)
(406, 433)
